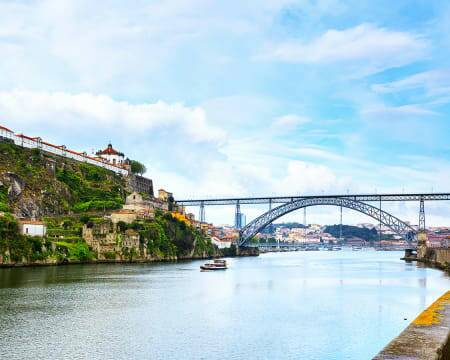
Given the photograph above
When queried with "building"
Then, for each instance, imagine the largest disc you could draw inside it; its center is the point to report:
(136, 202)
(221, 243)
(126, 216)
(6, 134)
(112, 156)
(164, 195)
(32, 228)
(140, 184)
(61, 150)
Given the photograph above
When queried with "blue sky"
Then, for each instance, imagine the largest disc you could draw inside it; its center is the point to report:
(225, 98)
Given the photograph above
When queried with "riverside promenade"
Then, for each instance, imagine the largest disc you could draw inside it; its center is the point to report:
(426, 338)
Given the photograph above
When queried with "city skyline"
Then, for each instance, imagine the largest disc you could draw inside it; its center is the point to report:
(274, 97)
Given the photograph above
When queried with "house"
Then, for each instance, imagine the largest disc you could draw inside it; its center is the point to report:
(221, 243)
(127, 216)
(164, 195)
(32, 228)
(112, 156)
(136, 202)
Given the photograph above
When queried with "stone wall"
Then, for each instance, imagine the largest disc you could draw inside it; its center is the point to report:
(435, 256)
(427, 337)
(140, 184)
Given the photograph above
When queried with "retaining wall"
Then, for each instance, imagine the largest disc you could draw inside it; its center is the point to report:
(426, 338)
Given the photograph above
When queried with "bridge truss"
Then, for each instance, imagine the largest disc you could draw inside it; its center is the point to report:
(285, 199)
(395, 224)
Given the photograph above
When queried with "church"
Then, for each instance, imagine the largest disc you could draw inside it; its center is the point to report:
(112, 156)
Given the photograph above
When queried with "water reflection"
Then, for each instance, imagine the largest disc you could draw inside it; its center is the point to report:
(308, 305)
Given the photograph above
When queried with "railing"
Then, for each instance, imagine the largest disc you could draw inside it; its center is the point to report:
(37, 143)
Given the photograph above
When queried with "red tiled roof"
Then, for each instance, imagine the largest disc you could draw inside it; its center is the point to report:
(109, 151)
(5, 128)
(31, 222)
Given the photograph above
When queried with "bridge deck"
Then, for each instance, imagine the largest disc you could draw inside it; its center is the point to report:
(285, 199)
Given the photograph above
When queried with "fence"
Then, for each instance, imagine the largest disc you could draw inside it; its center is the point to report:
(37, 143)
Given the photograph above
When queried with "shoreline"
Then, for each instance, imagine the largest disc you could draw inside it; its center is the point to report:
(428, 335)
(120, 261)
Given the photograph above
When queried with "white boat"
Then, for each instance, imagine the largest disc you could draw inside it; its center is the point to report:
(216, 264)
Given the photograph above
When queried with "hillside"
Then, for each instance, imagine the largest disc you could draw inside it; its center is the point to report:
(75, 201)
(34, 184)
(352, 231)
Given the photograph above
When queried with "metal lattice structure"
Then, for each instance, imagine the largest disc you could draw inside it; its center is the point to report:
(285, 199)
(395, 224)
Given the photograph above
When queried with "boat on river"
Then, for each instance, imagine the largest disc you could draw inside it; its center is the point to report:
(216, 264)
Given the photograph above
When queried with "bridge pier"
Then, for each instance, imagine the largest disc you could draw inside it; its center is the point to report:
(238, 216)
(422, 234)
(202, 212)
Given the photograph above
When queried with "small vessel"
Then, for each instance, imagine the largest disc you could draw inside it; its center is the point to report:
(216, 264)
(356, 248)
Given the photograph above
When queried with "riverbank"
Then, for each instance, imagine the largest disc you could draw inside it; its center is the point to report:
(243, 252)
(434, 257)
(427, 337)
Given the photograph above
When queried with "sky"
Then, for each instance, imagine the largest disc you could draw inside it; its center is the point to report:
(233, 98)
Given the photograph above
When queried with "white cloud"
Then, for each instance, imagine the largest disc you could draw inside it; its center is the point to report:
(309, 178)
(435, 84)
(402, 111)
(84, 111)
(320, 153)
(374, 48)
(289, 122)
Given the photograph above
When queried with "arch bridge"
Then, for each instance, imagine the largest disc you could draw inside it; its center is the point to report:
(357, 202)
(395, 224)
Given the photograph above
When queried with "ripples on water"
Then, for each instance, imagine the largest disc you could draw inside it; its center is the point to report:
(303, 305)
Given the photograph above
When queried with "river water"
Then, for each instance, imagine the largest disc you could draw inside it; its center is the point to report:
(300, 305)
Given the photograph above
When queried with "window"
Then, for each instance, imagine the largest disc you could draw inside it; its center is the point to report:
(26, 230)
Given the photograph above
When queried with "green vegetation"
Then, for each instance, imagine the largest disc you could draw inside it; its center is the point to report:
(167, 237)
(4, 199)
(90, 188)
(137, 167)
(71, 186)
(353, 231)
(78, 251)
(70, 195)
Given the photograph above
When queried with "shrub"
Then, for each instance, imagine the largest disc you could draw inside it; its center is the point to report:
(110, 255)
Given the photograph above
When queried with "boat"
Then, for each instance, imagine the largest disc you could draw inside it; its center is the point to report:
(216, 264)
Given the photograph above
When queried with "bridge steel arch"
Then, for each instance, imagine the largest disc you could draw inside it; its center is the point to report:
(395, 224)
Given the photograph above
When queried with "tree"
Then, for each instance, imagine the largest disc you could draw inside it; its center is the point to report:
(137, 167)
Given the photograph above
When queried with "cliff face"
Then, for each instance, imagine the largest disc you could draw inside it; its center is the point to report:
(35, 184)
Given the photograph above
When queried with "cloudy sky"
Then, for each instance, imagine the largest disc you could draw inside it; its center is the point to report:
(227, 98)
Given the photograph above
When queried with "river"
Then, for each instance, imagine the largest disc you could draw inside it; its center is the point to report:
(299, 305)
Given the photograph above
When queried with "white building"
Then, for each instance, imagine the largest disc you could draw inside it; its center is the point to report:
(5, 133)
(220, 243)
(32, 228)
(112, 156)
